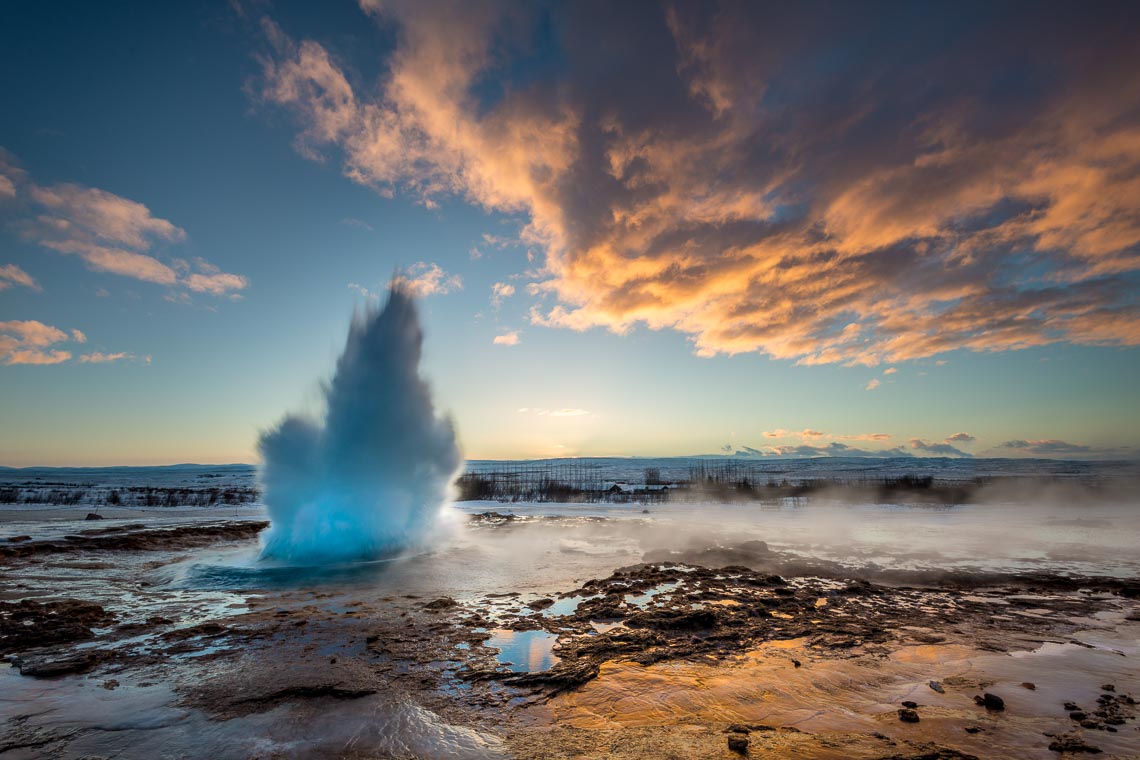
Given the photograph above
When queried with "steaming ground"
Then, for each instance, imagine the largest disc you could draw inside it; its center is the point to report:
(539, 630)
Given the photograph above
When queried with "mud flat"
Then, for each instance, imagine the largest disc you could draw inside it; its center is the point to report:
(555, 636)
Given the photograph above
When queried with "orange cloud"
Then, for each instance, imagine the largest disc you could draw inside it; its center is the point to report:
(109, 233)
(509, 338)
(10, 274)
(860, 219)
(33, 342)
(423, 279)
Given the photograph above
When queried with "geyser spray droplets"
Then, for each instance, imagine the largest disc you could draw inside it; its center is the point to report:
(371, 479)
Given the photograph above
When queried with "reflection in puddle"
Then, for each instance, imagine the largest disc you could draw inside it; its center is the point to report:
(640, 600)
(566, 606)
(524, 651)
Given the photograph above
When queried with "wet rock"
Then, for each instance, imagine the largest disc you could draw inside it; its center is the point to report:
(1072, 743)
(93, 516)
(18, 539)
(1089, 724)
(973, 729)
(51, 664)
(30, 624)
(564, 676)
(138, 538)
(908, 703)
(936, 687)
(443, 603)
(907, 715)
(541, 604)
(1108, 687)
(1077, 715)
(932, 752)
(673, 620)
(1029, 685)
(1071, 706)
(990, 701)
(738, 743)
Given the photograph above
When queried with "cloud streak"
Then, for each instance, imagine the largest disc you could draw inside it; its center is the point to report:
(34, 343)
(423, 279)
(737, 186)
(109, 233)
(10, 275)
(1052, 448)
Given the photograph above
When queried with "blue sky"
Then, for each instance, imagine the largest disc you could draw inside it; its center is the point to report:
(264, 218)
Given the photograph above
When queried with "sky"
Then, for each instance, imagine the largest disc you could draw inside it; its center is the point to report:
(635, 229)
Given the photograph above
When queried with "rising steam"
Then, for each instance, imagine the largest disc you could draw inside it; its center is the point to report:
(370, 480)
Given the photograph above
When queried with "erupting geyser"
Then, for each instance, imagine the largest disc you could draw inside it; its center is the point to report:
(371, 478)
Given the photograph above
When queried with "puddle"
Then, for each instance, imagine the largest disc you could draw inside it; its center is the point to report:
(524, 651)
(567, 606)
(642, 600)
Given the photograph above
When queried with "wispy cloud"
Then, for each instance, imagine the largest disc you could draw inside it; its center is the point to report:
(751, 200)
(10, 275)
(1052, 448)
(566, 412)
(500, 291)
(353, 222)
(30, 342)
(361, 290)
(807, 451)
(97, 357)
(808, 434)
(33, 342)
(961, 438)
(509, 338)
(427, 279)
(873, 384)
(941, 449)
(109, 233)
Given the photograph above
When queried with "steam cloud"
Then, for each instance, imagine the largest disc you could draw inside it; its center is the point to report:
(370, 480)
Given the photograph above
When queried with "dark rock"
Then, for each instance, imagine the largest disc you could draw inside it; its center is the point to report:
(738, 743)
(908, 716)
(1072, 743)
(564, 676)
(18, 539)
(990, 701)
(910, 704)
(541, 604)
(93, 516)
(1108, 687)
(756, 547)
(937, 687)
(30, 624)
(973, 730)
(443, 603)
(931, 752)
(51, 664)
(1071, 706)
(673, 620)
(1090, 723)
(797, 663)
(1028, 685)
(1077, 715)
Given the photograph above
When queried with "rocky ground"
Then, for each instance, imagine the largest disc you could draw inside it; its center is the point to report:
(715, 652)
